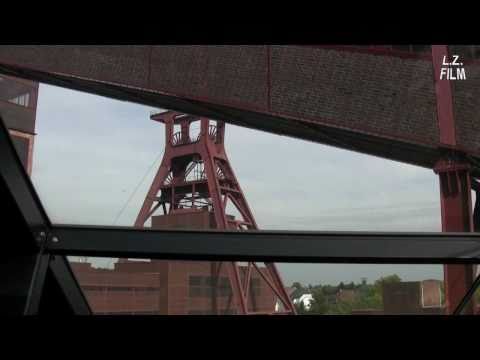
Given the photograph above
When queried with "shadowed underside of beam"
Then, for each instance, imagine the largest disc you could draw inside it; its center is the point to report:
(375, 104)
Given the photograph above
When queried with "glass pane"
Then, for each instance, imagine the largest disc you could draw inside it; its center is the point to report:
(331, 289)
(18, 102)
(473, 305)
(128, 286)
(95, 159)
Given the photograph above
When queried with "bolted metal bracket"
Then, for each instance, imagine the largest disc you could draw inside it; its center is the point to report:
(449, 165)
(41, 238)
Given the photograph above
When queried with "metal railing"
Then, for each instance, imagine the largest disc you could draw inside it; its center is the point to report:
(178, 139)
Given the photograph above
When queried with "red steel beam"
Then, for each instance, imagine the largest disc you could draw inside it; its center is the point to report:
(443, 91)
(455, 187)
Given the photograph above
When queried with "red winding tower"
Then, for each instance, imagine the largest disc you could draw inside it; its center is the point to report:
(194, 186)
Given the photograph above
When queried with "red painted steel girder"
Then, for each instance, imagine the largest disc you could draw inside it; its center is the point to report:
(455, 186)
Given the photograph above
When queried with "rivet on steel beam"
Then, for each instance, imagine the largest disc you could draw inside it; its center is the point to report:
(40, 236)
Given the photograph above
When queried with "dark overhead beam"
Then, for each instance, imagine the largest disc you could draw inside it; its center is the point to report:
(392, 149)
(268, 246)
(37, 285)
(25, 267)
(278, 89)
(16, 179)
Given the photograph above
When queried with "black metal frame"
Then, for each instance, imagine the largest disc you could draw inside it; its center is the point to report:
(28, 257)
(266, 246)
(52, 280)
(468, 296)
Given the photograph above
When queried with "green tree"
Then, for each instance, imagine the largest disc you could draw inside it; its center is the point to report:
(375, 296)
(442, 293)
(297, 285)
(319, 304)
(386, 280)
(369, 297)
(341, 308)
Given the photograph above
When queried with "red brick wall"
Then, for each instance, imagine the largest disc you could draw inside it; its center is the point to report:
(15, 116)
(185, 219)
(158, 287)
(431, 293)
(402, 298)
(19, 119)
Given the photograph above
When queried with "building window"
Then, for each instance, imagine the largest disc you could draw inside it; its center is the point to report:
(204, 286)
(22, 100)
(255, 286)
(196, 291)
(196, 312)
(229, 312)
(119, 288)
(208, 312)
(195, 280)
(155, 312)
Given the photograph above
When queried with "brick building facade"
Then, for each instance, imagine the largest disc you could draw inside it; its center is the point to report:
(18, 107)
(409, 298)
(165, 287)
(170, 287)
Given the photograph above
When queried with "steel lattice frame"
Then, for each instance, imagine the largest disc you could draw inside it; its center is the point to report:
(213, 181)
(51, 243)
(47, 240)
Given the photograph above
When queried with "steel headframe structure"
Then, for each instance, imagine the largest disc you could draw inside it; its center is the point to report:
(44, 275)
(195, 174)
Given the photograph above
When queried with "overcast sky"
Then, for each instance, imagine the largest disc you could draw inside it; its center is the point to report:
(91, 153)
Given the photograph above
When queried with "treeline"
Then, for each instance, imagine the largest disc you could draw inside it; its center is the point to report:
(328, 299)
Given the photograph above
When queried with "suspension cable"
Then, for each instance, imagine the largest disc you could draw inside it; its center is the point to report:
(136, 189)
